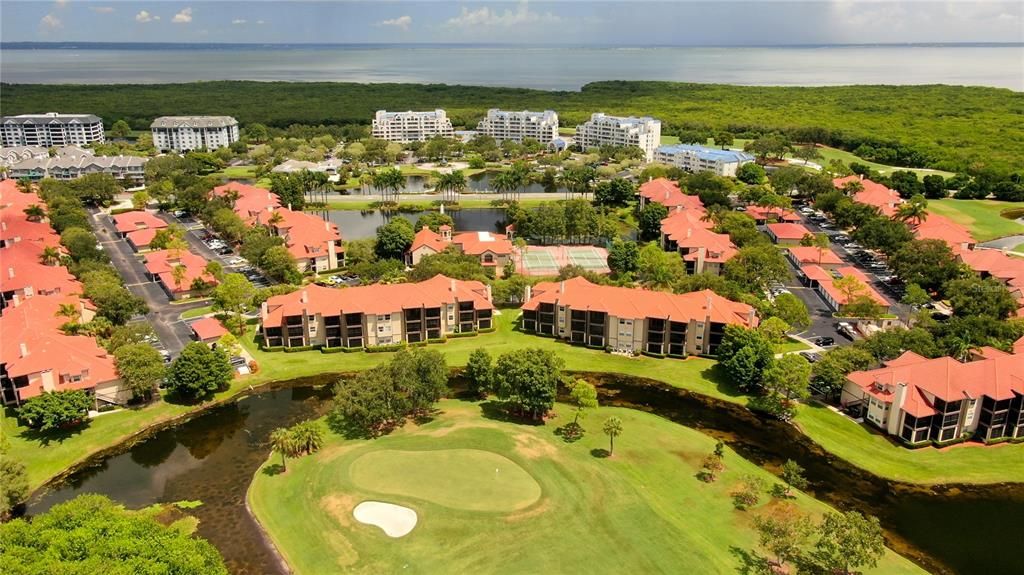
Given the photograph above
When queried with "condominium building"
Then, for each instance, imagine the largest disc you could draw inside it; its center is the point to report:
(632, 319)
(516, 126)
(129, 169)
(186, 133)
(51, 129)
(314, 243)
(702, 159)
(604, 130)
(938, 400)
(375, 315)
(411, 126)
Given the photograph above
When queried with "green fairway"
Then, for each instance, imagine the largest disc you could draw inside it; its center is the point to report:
(981, 216)
(639, 511)
(469, 479)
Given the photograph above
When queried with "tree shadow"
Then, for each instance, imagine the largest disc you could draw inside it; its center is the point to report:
(750, 563)
(273, 469)
(600, 453)
(61, 435)
(717, 374)
(499, 411)
(570, 432)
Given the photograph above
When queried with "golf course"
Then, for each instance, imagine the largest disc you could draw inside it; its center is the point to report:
(485, 490)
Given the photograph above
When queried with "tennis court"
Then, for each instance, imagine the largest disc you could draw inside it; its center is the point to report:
(547, 260)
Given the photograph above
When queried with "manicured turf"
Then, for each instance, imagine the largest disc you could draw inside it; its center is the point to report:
(199, 311)
(981, 216)
(470, 479)
(639, 511)
(847, 158)
(1019, 248)
(791, 345)
(49, 456)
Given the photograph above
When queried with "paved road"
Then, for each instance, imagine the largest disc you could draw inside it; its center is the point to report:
(1006, 243)
(174, 334)
(196, 245)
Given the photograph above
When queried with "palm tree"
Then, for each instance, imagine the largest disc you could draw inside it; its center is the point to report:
(387, 180)
(281, 441)
(504, 183)
(914, 210)
(24, 185)
(612, 428)
(453, 183)
(178, 272)
(50, 256)
(307, 436)
(520, 177)
(68, 310)
(275, 218)
(35, 213)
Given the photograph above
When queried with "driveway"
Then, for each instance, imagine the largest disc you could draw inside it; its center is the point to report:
(164, 317)
(194, 237)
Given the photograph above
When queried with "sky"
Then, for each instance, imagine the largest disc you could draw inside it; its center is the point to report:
(615, 22)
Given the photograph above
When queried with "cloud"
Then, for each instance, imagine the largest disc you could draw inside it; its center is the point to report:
(51, 22)
(183, 17)
(102, 9)
(239, 21)
(260, 22)
(402, 22)
(507, 18)
(144, 17)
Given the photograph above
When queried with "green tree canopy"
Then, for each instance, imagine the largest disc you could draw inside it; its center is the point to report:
(527, 379)
(394, 239)
(650, 220)
(847, 542)
(50, 411)
(746, 355)
(199, 371)
(141, 368)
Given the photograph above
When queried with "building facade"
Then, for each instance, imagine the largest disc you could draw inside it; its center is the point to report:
(376, 315)
(516, 126)
(129, 169)
(702, 159)
(493, 251)
(51, 130)
(187, 133)
(632, 319)
(604, 130)
(411, 126)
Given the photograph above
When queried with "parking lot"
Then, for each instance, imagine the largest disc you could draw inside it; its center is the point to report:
(205, 243)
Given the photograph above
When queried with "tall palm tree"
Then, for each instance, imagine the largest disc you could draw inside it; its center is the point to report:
(388, 180)
(282, 441)
(35, 213)
(453, 183)
(24, 185)
(504, 183)
(520, 177)
(50, 256)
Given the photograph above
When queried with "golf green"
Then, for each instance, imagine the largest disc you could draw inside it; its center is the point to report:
(468, 479)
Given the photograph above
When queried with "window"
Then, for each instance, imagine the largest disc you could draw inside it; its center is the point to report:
(385, 317)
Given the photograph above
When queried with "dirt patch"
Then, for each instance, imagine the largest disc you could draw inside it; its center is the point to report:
(533, 511)
(692, 458)
(448, 430)
(339, 506)
(532, 447)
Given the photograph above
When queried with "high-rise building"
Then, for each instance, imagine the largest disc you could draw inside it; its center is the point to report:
(411, 126)
(186, 133)
(51, 130)
(516, 126)
(604, 130)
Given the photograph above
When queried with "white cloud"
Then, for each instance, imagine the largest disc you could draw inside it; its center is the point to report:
(183, 17)
(51, 22)
(144, 17)
(401, 22)
(507, 18)
(102, 9)
(259, 22)
(239, 21)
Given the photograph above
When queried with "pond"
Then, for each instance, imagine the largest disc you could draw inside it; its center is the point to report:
(356, 225)
(212, 458)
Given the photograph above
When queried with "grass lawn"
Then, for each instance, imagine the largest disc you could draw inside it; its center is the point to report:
(199, 311)
(233, 172)
(511, 486)
(1018, 248)
(981, 216)
(668, 140)
(791, 345)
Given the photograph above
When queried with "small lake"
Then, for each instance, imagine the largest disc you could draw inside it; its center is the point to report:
(355, 225)
(211, 458)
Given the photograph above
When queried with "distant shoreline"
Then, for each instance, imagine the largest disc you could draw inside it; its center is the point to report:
(34, 45)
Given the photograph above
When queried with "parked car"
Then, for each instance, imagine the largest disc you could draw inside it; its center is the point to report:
(846, 330)
(810, 356)
(225, 251)
(824, 341)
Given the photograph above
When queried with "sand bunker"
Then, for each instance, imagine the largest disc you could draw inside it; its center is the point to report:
(395, 520)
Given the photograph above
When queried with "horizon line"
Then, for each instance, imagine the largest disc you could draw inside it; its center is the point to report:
(36, 43)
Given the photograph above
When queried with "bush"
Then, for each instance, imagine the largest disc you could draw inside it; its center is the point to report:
(385, 348)
(55, 410)
(298, 348)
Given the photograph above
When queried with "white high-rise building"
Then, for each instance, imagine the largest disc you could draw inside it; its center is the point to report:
(186, 133)
(517, 126)
(702, 159)
(603, 130)
(411, 126)
(51, 130)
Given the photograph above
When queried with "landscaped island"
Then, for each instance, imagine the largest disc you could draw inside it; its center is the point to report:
(483, 488)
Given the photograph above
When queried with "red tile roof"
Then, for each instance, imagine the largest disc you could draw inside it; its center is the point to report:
(375, 299)
(20, 269)
(667, 193)
(936, 227)
(636, 303)
(471, 243)
(428, 238)
(162, 263)
(208, 328)
(787, 231)
(14, 227)
(252, 200)
(691, 232)
(994, 375)
(825, 279)
(994, 263)
(763, 213)
(15, 200)
(873, 194)
(305, 235)
(812, 255)
(141, 238)
(137, 220)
